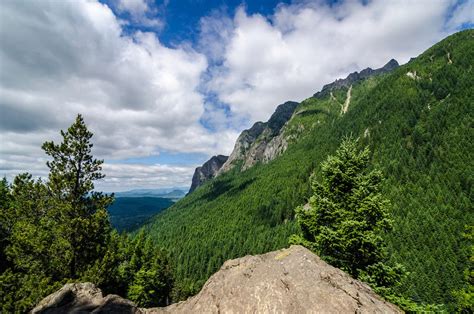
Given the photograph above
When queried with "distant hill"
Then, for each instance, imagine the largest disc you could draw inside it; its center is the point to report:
(129, 213)
(417, 121)
(171, 193)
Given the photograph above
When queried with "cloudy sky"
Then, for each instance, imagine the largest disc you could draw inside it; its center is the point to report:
(164, 85)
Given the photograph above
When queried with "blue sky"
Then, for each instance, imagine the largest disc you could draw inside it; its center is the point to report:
(181, 18)
(165, 85)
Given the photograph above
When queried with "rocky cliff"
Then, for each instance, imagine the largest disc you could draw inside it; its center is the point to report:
(207, 171)
(263, 141)
(292, 280)
(355, 77)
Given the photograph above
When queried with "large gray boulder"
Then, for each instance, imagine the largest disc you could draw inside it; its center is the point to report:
(292, 280)
(78, 298)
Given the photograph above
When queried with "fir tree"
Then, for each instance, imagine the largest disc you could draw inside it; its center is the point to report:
(73, 171)
(59, 231)
(347, 216)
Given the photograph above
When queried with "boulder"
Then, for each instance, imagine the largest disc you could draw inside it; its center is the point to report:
(292, 280)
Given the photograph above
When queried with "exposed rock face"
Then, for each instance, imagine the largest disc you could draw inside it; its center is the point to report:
(207, 171)
(355, 77)
(83, 298)
(263, 141)
(292, 280)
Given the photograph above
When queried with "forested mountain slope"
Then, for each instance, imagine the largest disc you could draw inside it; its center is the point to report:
(417, 121)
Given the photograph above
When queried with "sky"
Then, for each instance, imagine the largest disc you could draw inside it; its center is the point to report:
(165, 85)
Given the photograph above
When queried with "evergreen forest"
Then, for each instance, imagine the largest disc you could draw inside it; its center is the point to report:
(417, 122)
(395, 166)
(58, 231)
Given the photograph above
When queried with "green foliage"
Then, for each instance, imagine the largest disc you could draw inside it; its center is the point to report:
(19, 291)
(73, 171)
(347, 214)
(59, 231)
(465, 296)
(420, 139)
(134, 268)
(346, 218)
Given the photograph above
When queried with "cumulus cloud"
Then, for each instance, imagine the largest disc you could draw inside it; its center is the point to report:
(463, 14)
(293, 53)
(139, 10)
(63, 58)
(140, 97)
(145, 176)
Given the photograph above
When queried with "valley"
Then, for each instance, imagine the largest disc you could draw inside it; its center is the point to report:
(419, 132)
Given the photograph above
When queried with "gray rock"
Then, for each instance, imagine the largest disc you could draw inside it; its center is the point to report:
(263, 141)
(292, 280)
(78, 298)
(355, 77)
(207, 171)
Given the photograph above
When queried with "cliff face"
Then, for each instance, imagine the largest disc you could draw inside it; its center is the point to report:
(292, 280)
(207, 171)
(263, 141)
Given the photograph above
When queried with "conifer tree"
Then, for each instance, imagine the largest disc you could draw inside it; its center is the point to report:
(348, 215)
(73, 171)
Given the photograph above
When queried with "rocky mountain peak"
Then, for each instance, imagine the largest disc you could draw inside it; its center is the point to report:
(292, 280)
(355, 77)
(207, 171)
(263, 141)
(281, 115)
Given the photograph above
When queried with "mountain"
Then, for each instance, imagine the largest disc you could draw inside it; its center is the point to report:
(207, 171)
(129, 213)
(171, 193)
(293, 280)
(356, 77)
(263, 141)
(417, 122)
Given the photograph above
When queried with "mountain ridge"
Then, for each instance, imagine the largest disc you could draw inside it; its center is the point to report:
(355, 77)
(207, 171)
(262, 142)
(416, 120)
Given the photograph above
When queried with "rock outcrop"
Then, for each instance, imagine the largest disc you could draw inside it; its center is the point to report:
(83, 298)
(207, 171)
(355, 77)
(263, 141)
(292, 280)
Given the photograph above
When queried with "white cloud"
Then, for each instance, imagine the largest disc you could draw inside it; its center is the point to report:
(63, 58)
(303, 46)
(144, 176)
(462, 14)
(139, 11)
(140, 97)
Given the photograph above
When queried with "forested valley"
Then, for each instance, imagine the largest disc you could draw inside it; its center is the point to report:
(401, 150)
(417, 122)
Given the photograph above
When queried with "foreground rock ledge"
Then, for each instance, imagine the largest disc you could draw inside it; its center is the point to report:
(292, 280)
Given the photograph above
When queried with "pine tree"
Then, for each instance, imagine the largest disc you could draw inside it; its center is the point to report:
(73, 171)
(5, 224)
(465, 296)
(348, 215)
